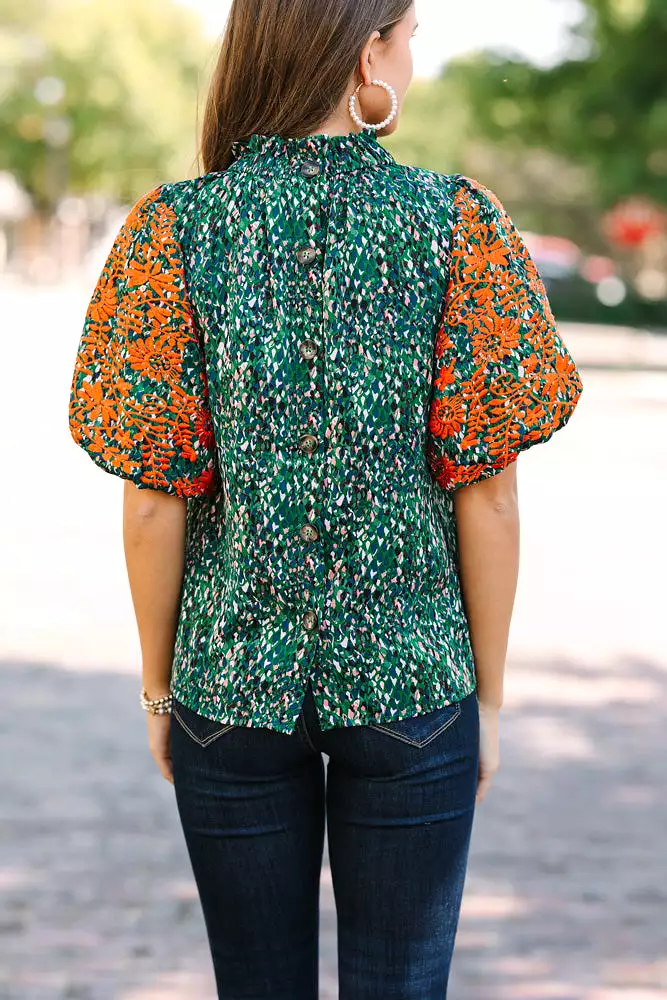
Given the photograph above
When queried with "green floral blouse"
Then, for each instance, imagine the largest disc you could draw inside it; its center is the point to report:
(316, 347)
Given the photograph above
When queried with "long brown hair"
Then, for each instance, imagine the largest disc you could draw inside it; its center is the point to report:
(284, 66)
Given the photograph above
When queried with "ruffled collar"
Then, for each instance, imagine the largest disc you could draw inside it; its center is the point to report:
(345, 152)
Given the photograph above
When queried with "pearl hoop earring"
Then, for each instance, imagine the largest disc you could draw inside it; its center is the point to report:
(390, 117)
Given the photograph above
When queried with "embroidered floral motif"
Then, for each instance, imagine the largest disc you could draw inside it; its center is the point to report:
(504, 380)
(139, 402)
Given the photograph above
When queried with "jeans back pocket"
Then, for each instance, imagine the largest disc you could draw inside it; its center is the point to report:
(419, 730)
(202, 730)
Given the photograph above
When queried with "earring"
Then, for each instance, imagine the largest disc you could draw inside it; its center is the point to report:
(390, 117)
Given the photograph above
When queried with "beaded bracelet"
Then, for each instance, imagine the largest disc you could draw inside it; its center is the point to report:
(156, 706)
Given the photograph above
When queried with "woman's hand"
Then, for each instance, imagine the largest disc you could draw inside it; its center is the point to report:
(159, 727)
(489, 748)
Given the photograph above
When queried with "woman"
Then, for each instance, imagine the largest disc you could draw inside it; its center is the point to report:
(316, 368)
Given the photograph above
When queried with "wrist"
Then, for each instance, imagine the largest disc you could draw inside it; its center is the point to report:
(156, 682)
(155, 691)
(156, 706)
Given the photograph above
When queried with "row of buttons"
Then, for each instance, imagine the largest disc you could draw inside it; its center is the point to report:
(306, 255)
(309, 351)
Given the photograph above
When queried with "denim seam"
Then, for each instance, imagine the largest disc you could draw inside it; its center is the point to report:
(209, 739)
(418, 743)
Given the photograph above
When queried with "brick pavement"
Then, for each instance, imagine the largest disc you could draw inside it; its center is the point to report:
(566, 897)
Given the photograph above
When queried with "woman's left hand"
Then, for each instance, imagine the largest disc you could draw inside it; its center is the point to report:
(159, 742)
(489, 750)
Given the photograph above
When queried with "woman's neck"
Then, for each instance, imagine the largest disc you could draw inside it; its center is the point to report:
(337, 124)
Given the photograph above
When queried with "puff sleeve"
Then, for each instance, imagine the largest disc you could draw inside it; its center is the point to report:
(138, 402)
(503, 379)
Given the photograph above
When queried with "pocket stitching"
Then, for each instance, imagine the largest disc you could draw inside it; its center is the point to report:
(418, 743)
(200, 742)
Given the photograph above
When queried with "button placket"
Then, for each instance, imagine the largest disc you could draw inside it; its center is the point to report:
(309, 350)
(329, 339)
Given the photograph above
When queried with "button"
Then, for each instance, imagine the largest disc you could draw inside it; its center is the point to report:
(309, 533)
(308, 350)
(308, 443)
(310, 621)
(306, 255)
(309, 168)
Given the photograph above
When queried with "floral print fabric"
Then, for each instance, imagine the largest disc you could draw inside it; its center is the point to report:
(315, 348)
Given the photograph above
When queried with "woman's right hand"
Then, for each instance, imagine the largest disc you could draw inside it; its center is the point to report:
(159, 742)
(489, 748)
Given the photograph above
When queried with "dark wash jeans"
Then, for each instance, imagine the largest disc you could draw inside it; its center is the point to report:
(398, 801)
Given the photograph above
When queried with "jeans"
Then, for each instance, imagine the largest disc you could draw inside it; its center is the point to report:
(398, 800)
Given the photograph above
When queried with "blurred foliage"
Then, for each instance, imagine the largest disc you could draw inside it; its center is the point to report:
(561, 145)
(575, 300)
(547, 192)
(98, 96)
(558, 145)
(603, 110)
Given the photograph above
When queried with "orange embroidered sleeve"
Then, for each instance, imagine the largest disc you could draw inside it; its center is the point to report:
(503, 379)
(138, 402)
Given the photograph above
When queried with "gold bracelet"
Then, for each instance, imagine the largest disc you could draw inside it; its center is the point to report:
(156, 706)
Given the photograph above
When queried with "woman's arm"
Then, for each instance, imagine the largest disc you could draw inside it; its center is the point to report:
(154, 540)
(487, 516)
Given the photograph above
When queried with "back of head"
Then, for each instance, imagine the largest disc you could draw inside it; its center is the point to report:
(284, 67)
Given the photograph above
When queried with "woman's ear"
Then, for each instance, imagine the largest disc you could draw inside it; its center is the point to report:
(367, 59)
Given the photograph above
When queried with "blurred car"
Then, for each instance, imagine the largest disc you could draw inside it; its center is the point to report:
(591, 288)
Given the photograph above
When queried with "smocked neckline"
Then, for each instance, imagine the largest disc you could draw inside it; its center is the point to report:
(351, 150)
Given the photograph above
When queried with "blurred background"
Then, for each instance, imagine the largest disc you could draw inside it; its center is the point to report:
(560, 107)
(557, 104)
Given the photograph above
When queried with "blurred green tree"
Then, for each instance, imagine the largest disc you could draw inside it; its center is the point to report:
(603, 109)
(547, 192)
(98, 96)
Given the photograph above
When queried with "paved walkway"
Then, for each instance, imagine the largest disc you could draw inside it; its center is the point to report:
(566, 896)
